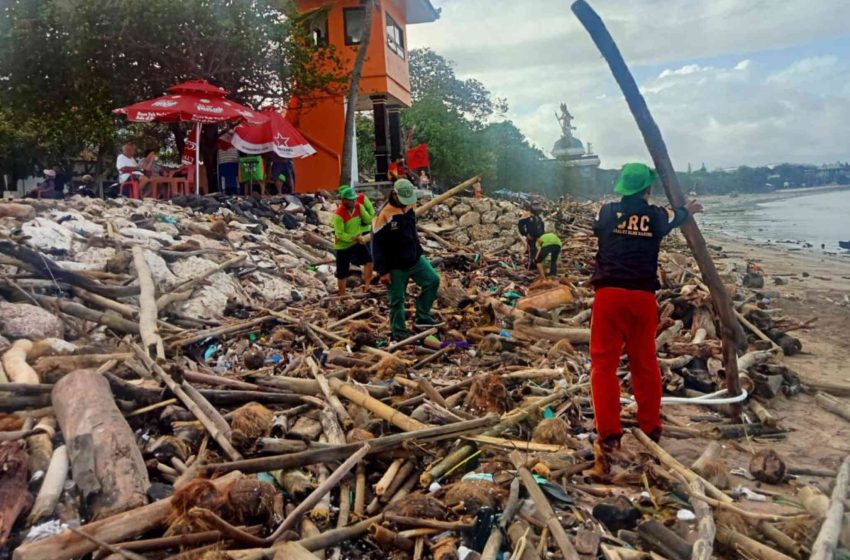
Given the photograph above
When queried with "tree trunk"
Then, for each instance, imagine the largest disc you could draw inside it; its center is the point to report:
(179, 136)
(345, 177)
(105, 460)
(208, 151)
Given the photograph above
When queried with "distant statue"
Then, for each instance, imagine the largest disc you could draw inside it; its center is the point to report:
(565, 119)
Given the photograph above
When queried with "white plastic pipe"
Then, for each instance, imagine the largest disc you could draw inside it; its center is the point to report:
(710, 399)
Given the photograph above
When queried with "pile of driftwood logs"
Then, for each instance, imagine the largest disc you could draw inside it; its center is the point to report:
(182, 384)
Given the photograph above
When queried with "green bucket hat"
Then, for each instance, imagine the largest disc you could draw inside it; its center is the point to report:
(405, 191)
(634, 178)
(347, 193)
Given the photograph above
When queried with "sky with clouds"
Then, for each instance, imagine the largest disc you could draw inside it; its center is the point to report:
(730, 82)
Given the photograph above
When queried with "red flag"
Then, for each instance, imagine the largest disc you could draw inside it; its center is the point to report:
(417, 158)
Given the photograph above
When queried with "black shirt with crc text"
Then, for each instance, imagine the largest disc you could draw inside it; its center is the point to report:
(630, 233)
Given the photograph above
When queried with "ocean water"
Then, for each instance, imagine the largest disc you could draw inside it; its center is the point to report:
(814, 221)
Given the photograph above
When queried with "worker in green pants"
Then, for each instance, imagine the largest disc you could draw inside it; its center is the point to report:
(399, 258)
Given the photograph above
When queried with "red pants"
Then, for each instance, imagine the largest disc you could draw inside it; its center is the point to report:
(627, 317)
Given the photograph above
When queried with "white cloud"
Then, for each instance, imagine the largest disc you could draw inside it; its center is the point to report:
(537, 55)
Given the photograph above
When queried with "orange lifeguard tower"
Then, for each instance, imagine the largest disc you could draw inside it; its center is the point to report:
(384, 85)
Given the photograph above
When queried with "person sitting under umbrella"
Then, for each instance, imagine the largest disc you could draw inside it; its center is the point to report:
(129, 167)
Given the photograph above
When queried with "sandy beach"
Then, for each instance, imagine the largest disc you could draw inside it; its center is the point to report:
(802, 285)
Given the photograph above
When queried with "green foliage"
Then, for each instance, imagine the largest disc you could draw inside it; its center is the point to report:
(71, 62)
(431, 75)
(365, 131)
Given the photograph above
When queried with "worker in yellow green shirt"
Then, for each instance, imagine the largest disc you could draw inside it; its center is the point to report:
(351, 242)
(548, 246)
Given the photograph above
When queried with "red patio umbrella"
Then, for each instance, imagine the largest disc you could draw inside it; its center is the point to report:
(195, 101)
(276, 135)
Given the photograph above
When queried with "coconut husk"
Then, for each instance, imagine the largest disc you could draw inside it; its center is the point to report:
(490, 344)
(473, 495)
(215, 555)
(251, 501)
(419, 505)
(715, 472)
(561, 349)
(361, 333)
(487, 394)
(554, 431)
(164, 448)
(356, 435)
(201, 493)
(10, 422)
(119, 263)
(249, 423)
(731, 520)
(360, 374)
(389, 367)
(253, 359)
(297, 483)
(768, 466)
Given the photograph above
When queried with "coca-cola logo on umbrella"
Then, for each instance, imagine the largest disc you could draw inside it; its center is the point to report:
(209, 108)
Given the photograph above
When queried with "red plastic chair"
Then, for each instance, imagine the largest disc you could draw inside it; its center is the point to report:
(131, 185)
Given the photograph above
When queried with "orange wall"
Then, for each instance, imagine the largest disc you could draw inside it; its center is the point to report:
(321, 119)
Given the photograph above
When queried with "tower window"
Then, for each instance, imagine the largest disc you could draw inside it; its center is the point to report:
(355, 25)
(395, 36)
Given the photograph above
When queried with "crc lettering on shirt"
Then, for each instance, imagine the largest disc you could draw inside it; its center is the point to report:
(634, 225)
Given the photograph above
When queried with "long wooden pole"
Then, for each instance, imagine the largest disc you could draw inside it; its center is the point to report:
(422, 210)
(827, 540)
(731, 333)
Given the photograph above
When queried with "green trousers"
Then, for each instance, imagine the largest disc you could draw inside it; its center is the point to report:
(427, 279)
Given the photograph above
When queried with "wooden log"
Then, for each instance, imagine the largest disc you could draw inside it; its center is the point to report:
(15, 363)
(664, 541)
(45, 267)
(390, 538)
(342, 415)
(69, 545)
(51, 487)
(108, 319)
(381, 410)
(294, 551)
(572, 334)
(788, 545)
(14, 497)
(703, 547)
(105, 460)
(754, 549)
(731, 333)
(147, 306)
(763, 414)
(833, 405)
(751, 359)
(424, 208)
(827, 540)
(40, 445)
(544, 509)
(15, 210)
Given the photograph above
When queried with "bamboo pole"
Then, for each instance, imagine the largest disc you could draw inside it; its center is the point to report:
(703, 547)
(732, 335)
(217, 434)
(833, 405)
(381, 410)
(422, 210)
(544, 509)
(52, 486)
(827, 540)
(147, 305)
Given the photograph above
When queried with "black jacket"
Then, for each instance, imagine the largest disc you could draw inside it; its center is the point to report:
(395, 243)
(531, 226)
(630, 234)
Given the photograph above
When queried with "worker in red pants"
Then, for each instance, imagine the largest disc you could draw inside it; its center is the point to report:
(625, 313)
